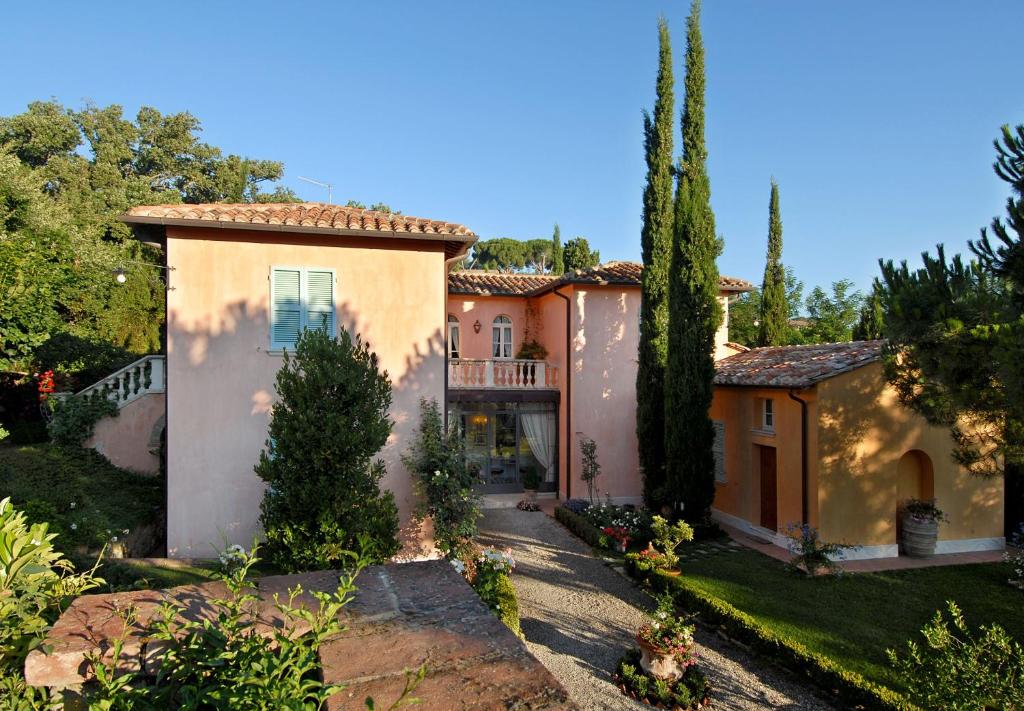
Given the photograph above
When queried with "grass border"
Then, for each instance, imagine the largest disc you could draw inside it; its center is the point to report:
(841, 684)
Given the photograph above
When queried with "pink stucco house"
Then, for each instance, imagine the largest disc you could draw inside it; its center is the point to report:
(244, 279)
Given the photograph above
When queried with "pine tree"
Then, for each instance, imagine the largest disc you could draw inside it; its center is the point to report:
(557, 259)
(694, 313)
(774, 317)
(655, 244)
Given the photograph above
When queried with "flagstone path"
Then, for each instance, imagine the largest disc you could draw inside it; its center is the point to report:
(579, 616)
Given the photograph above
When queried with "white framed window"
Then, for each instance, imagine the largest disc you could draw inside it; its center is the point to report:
(501, 337)
(454, 343)
(300, 298)
(719, 451)
(768, 414)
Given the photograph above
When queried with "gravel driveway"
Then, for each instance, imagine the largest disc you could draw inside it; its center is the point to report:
(579, 616)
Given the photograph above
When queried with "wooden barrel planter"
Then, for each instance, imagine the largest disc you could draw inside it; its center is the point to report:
(919, 536)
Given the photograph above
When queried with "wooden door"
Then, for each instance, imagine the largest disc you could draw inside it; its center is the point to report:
(769, 490)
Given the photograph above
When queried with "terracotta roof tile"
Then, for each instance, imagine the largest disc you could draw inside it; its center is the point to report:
(309, 215)
(795, 366)
(483, 282)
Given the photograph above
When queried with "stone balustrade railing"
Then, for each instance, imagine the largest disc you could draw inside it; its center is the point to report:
(144, 376)
(501, 374)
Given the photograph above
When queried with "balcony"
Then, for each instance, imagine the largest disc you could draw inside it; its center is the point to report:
(501, 374)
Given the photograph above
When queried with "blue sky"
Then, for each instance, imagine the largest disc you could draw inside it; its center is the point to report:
(876, 118)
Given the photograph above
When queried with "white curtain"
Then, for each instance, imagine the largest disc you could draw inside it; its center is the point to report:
(539, 428)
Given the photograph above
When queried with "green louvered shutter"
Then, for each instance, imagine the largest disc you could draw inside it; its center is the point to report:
(320, 300)
(285, 308)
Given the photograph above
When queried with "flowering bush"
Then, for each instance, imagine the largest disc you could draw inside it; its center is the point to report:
(667, 633)
(618, 534)
(648, 560)
(437, 459)
(1016, 558)
(811, 554)
(232, 557)
(526, 505)
(924, 510)
(609, 515)
(487, 571)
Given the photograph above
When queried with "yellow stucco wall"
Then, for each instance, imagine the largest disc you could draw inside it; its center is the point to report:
(863, 434)
(221, 375)
(740, 494)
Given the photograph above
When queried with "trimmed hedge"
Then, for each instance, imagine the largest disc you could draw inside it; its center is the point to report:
(847, 686)
(579, 525)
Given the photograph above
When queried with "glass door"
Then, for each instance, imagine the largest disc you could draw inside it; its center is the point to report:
(503, 473)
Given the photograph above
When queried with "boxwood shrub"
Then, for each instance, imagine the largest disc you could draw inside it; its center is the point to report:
(579, 525)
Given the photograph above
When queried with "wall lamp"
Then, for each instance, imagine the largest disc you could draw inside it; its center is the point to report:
(477, 326)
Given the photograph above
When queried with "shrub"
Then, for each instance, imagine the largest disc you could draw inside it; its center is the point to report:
(1016, 559)
(591, 467)
(957, 671)
(577, 506)
(488, 571)
(323, 485)
(812, 554)
(36, 584)
(436, 458)
(4, 434)
(74, 418)
(924, 510)
(691, 691)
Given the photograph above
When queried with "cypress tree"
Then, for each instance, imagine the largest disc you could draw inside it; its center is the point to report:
(557, 259)
(655, 245)
(694, 313)
(774, 316)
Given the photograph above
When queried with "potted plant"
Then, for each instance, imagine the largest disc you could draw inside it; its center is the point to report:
(920, 527)
(667, 537)
(666, 643)
(531, 350)
(531, 482)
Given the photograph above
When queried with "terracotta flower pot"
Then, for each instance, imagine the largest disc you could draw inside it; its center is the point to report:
(658, 664)
(620, 546)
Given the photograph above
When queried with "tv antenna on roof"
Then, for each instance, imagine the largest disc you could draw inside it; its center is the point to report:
(330, 188)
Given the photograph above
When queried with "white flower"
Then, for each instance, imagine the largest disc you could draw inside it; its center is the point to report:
(125, 532)
(74, 527)
(36, 542)
(73, 504)
(113, 539)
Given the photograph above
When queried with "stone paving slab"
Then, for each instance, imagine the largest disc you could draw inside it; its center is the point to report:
(403, 617)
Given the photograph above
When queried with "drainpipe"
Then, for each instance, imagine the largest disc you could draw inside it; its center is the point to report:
(568, 393)
(804, 486)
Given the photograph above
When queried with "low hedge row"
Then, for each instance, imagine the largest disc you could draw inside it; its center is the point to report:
(849, 687)
(508, 605)
(579, 525)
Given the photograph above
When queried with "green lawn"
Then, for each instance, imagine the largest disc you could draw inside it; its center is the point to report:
(855, 618)
(78, 492)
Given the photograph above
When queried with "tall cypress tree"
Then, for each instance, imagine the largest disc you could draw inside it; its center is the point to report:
(557, 257)
(774, 314)
(694, 313)
(655, 245)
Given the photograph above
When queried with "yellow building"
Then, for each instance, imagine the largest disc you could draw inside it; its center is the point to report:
(815, 434)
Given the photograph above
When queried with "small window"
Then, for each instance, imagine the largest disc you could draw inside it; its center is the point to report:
(300, 299)
(453, 337)
(768, 414)
(501, 337)
(719, 451)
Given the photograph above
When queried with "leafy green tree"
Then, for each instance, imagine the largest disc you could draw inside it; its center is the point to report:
(377, 207)
(832, 317)
(956, 333)
(557, 258)
(694, 313)
(656, 249)
(773, 327)
(871, 323)
(512, 255)
(578, 255)
(323, 494)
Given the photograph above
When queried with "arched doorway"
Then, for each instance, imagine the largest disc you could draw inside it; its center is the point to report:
(915, 479)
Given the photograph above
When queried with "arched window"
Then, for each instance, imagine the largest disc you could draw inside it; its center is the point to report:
(454, 343)
(501, 337)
